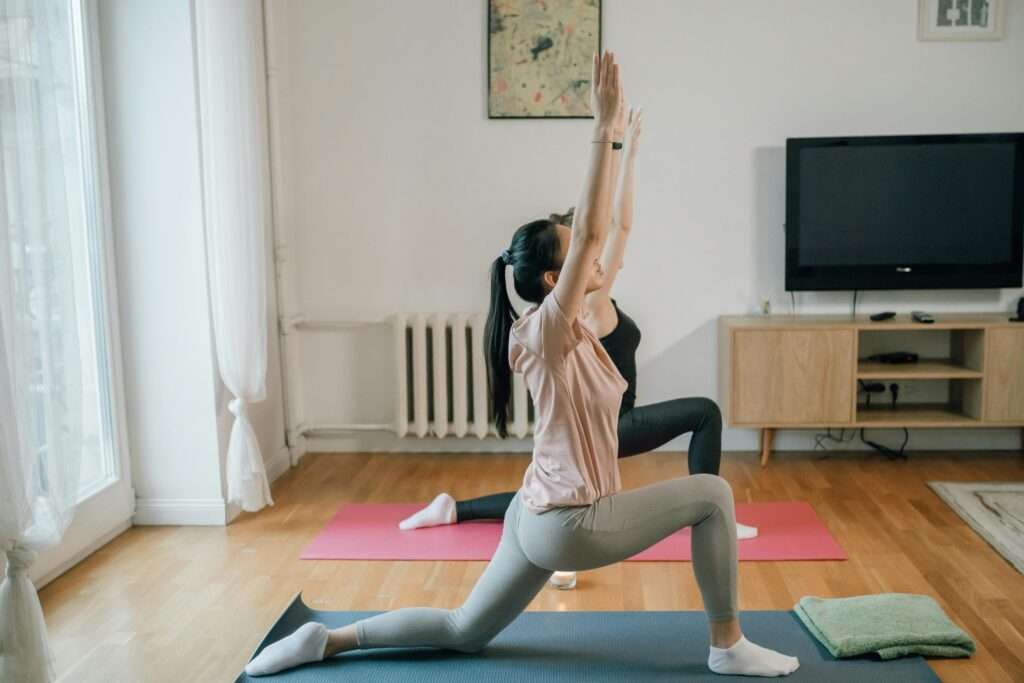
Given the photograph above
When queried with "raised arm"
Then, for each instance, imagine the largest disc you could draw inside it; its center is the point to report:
(593, 209)
(622, 213)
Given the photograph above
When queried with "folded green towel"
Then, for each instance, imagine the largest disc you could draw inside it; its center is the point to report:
(891, 624)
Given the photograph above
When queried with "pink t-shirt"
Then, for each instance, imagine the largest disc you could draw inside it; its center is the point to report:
(576, 392)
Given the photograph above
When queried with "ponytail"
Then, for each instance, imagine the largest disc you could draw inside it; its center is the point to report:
(534, 251)
(496, 332)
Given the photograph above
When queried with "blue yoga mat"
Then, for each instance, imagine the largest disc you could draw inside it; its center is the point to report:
(543, 647)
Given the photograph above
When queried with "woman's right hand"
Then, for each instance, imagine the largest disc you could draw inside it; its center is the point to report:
(606, 96)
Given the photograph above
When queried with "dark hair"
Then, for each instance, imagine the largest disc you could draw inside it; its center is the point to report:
(564, 218)
(535, 249)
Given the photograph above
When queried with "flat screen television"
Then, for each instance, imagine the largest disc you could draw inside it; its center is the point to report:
(905, 212)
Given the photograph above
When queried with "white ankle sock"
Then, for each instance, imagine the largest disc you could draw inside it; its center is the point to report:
(307, 644)
(440, 511)
(747, 659)
(743, 531)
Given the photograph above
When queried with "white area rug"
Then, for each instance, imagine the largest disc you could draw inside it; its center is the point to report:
(994, 510)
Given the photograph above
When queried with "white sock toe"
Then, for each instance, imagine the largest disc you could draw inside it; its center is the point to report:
(440, 511)
(307, 644)
(743, 531)
(749, 659)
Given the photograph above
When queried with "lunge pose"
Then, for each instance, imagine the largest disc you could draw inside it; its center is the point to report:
(641, 429)
(570, 512)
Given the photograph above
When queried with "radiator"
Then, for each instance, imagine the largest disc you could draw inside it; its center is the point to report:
(441, 379)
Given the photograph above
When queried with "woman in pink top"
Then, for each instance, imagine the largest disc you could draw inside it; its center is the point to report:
(641, 429)
(570, 512)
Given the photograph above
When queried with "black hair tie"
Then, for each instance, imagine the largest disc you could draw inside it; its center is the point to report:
(506, 257)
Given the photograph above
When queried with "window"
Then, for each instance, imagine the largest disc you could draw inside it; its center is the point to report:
(55, 221)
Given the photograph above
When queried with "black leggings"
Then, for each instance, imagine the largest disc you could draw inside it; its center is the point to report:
(641, 429)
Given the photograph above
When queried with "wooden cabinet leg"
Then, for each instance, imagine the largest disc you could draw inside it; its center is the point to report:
(767, 435)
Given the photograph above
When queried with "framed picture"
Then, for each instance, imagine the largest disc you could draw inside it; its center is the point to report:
(960, 19)
(540, 57)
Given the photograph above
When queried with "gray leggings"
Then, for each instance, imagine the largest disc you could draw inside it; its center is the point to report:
(575, 538)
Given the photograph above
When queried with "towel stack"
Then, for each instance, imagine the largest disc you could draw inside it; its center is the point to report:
(891, 624)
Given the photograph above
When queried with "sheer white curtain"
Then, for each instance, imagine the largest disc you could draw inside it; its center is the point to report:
(40, 363)
(236, 179)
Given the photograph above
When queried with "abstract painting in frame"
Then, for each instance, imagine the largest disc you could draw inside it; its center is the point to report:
(540, 56)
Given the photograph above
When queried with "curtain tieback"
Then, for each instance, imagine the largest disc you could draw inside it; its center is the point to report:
(19, 559)
(237, 408)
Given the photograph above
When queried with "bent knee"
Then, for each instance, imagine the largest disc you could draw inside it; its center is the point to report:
(712, 413)
(470, 646)
(466, 636)
(715, 489)
(469, 642)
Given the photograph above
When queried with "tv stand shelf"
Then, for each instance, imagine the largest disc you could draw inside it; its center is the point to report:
(913, 415)
(924, 368)
(803, 372)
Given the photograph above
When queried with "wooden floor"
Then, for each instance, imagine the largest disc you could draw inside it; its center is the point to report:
(191, 603)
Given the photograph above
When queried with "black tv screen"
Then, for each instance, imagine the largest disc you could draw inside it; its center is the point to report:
(905, 212)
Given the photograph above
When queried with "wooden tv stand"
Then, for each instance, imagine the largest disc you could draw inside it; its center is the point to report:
(802, 372)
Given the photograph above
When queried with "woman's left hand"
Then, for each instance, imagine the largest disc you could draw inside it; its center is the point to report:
(634, 126)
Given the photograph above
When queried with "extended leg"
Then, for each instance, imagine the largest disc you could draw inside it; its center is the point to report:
(506, 587)
(484, 507)
(446, 510)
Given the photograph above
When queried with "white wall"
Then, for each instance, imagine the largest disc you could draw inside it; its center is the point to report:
(157, 211)
(177, 407)
(400, 191)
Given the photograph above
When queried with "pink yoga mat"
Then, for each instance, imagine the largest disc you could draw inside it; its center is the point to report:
(787, 531)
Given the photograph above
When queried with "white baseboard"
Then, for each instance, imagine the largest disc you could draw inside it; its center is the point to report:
(233, 510)
(299, 448)
(67, 564)
(180, 511)
(201, 511)
(276, 466)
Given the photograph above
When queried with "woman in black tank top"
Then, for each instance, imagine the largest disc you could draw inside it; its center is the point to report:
(641, 428)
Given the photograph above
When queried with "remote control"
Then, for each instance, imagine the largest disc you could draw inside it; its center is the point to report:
(895, 357)
(921, 317)
(884, 315)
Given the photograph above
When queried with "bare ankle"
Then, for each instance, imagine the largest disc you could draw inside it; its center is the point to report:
(341, 640)
(725, 634)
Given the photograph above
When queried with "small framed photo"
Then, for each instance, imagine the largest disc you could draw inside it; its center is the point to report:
(960, 19)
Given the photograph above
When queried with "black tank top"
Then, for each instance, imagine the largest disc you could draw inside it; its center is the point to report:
(621, 344)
